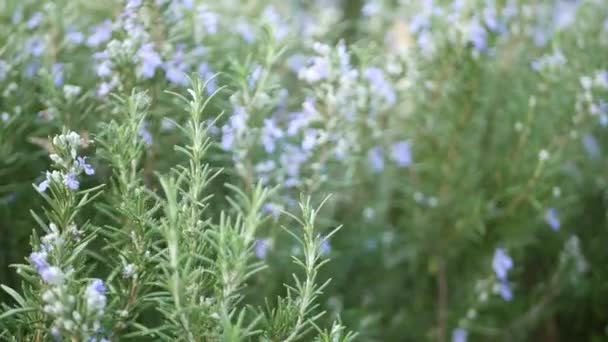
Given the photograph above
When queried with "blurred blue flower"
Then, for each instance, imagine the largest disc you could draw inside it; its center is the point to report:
(402, 153)
(479, 37)
(376, 158)
(4, 68)
(459, 335)
(505, 291)
(325, 248)
(262, 248)
(88, 169)
(552, 218)
(71, 181)
(270, 133)
(35, 20)
(58, 74)
(75, 37)
(100, 34)
(150, 60)
(592, 147)
(501, 263)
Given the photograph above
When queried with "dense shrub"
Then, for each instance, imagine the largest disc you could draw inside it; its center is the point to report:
(381, 170)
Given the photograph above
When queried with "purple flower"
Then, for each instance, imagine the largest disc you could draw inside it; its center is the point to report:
(402, 153)
(262, 247)
(150, 60)
(95, 295)
(52, 275)
(209, 19)
(88, 169)
(228, 138)
(564, 14)
(76, 37)
(133, 4)
(310, 140)
(505, 291)
(460, 335)
(98, 286)
(44, 185)
(104, 66)
(479, 37)
(270, 133)
(58, 74)
(145, 135)
(105, 88)
(501, 264)
(379, 84)
(273, 209)
(253, 78)
(325, 248)
(317, 70)
(4, 67)
(100, 34)
(71, 181)
(552, 219)
(38, 260)
(175, 71)
(376, 158)
(592, 147)
(419, 22)
(35, 46)
(35, 20)
(206, 73)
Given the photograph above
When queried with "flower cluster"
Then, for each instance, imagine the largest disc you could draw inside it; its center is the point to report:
(502, 264)
(68, 163)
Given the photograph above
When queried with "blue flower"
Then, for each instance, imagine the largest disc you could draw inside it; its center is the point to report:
(88, 169)
(273, 209)
(4, 67)
(38, 260)
(376, 158)
(44, 185)
(150, 60)
(76, 37)
(52, 275)
(270, 133)
(262, 247)
(71, 181)
(460, 335)
(552, 218)
(35, 46)
(35, 20)
(209, 19)
(479, 37)
(592, 147)
(145, 134)
(95, 295)
(505, 291)
(325, 248)
(402, 153)
(100, 34)
(175, 69)
(501, 264)
(58, 74)
(379, 84)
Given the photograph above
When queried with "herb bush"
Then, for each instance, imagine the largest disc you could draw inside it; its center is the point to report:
(313, 170)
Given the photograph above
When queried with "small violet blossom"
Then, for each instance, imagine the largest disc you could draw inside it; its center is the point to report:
(502, 264)
(552, 219)
(262, 248)
(459, 335)
(88, 169)
(402, 153)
